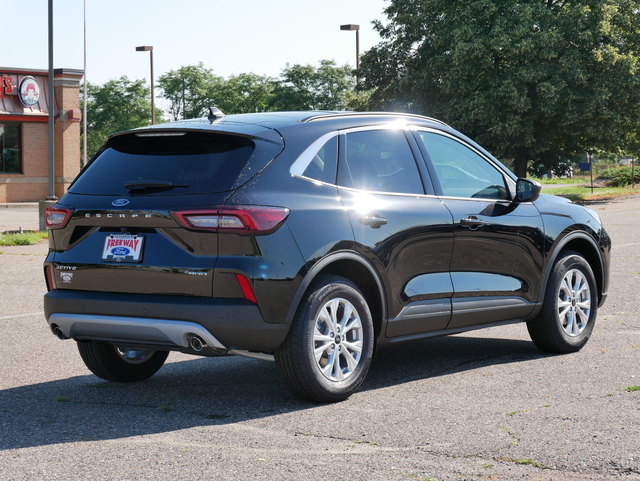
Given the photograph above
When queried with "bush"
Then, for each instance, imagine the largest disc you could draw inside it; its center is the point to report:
(26, 238)
(619, 176)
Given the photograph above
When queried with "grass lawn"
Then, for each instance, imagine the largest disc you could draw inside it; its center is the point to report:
(580, 193)
(576, 179)
(27, 238)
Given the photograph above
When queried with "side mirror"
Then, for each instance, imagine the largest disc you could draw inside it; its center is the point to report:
(527, 190)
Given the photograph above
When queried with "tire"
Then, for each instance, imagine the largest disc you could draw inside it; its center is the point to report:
(569, 309)
(120, 364)
(329, 348)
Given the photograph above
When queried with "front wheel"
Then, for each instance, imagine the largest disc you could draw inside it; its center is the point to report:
(569, 308)
(120, 364)
(328, 350)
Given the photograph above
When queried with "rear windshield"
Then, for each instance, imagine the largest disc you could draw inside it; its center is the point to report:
(152, 164)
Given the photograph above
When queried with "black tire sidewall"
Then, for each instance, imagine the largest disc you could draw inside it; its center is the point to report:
(103, 360)
(323, 388)
(565, 342)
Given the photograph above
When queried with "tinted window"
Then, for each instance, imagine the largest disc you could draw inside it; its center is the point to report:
(194, 163)
(461, 171)
(10, 147)
(380, 161)
(323, 165)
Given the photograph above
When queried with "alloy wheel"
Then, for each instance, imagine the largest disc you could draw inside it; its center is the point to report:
(338, 339)
(574, 302)
(134, 356)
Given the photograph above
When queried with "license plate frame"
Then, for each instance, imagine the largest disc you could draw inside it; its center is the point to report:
(123, 248)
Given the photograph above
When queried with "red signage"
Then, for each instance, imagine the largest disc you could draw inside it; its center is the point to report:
(5, 85)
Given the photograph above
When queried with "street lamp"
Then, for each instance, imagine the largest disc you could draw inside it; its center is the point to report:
(351, 26)
(153, 107)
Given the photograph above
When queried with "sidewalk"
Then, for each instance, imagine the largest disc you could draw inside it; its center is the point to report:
(17, 215)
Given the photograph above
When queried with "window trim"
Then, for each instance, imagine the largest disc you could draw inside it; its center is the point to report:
(304, 159)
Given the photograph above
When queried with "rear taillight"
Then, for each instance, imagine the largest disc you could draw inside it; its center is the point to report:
(48, 277)
(241, 219)
(56, 216)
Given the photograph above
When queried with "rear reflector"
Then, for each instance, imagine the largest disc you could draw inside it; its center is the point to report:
(56, 216)
(247, 291)
(246, 219)
(48, 277)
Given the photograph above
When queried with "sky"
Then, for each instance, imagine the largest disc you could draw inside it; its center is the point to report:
(228, 36)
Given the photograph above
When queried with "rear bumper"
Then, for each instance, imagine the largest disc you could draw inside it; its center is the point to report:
(162, 321)
(156, 332)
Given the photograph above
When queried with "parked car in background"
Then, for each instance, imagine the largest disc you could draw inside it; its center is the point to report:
(310, 238)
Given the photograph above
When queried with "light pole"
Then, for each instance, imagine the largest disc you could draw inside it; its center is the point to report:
(84, 99)
(153, 106)
(351, 26)
(50, 100)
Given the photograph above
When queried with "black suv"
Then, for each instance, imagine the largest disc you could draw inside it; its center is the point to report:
(310, 237)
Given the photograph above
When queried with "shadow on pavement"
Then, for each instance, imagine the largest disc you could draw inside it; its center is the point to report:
(214, 391)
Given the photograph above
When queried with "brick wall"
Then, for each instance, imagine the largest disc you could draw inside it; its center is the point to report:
(35, 148)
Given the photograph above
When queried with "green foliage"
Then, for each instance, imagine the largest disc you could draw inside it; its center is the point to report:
(117, 105)
(191, 90)
(584, 192)
(620, 176)
(576, 179)
(535, 81)
(245, 93)
(304, 87)
(26, 238)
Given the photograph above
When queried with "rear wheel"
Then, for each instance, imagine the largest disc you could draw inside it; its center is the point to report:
(120, 364)
(328, 350)
(568, 312)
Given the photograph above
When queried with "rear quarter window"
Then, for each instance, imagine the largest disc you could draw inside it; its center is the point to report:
(194, 162)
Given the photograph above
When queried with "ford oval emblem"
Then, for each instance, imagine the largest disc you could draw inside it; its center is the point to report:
(120, 202)
(120, 251)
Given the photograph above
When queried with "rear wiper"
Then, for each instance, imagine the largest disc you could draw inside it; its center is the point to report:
(137, 185)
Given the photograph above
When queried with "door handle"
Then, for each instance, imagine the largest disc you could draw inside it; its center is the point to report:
(472, 222)
(374, 221)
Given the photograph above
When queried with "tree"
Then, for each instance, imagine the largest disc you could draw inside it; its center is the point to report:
(245, 93)
(304, 87)
(191, 90)
(534, 81)
(117, 105)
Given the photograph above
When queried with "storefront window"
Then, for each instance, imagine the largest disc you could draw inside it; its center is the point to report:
(10, 148)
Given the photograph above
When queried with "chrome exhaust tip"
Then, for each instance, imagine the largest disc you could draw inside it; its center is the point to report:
(197, 344)
(58, 332)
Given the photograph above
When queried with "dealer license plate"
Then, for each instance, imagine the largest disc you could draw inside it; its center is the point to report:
(123, 248)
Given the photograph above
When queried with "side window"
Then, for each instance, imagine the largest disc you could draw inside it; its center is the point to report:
(10, 148)
(323, 165)
(462, 172)
(379, 161)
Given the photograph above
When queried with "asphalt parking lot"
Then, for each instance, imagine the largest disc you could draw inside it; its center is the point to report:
(479, 406)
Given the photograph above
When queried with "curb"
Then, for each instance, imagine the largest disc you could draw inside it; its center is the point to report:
(19, 205)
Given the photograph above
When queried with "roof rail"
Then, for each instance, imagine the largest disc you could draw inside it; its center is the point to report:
(333, 115)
